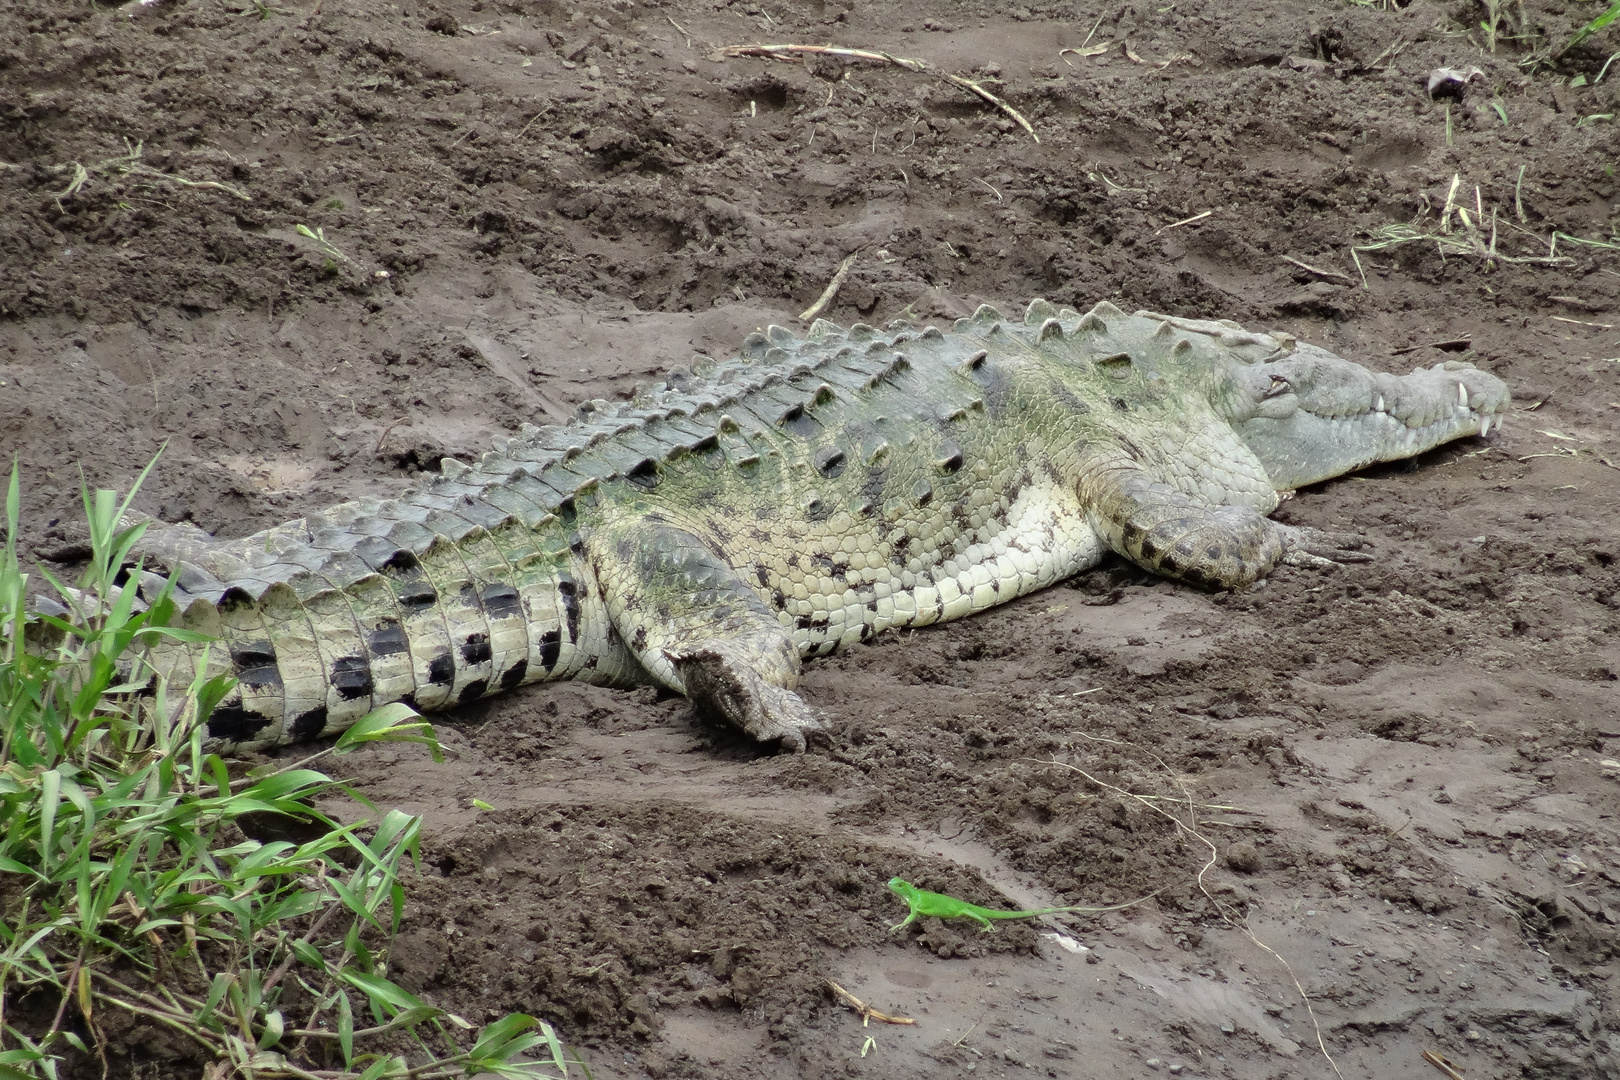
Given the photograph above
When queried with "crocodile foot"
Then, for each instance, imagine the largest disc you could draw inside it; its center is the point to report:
(721, 688)
(1319, 550)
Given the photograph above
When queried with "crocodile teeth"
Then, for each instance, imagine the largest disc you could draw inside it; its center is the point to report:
(1462, 396)
(1378, 406)
(1484, 426)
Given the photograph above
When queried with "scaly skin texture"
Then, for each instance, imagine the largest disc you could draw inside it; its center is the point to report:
(807, 494)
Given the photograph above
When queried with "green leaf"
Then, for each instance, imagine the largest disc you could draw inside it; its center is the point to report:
(387, 1066)
(253, 864)
(12, 866)
(381, 991)
(216, 993)
(274, 1025)
(283, 785)
(389, 724)
(309, 954)
(1595, 25)
(395, 824)
(354, 902)
(19, 1057)
(211, 693)
(345, 1027)
(50, 794)
(495, 1039)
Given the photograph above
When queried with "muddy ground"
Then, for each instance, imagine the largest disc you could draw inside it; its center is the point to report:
(1407, 769)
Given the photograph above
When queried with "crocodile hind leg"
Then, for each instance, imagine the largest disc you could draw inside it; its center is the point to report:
(1212, 546)
(698, 628)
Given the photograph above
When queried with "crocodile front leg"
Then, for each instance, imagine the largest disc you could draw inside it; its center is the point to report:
(699, 629)
(1211, 546)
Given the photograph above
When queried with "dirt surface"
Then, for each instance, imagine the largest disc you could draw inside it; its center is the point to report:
(1407, 769)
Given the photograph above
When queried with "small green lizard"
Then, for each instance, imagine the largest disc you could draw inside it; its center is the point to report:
(940, 906)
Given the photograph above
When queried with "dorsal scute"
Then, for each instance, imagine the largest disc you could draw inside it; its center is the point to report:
(1038, 312)
(754, 346)
(775, 378)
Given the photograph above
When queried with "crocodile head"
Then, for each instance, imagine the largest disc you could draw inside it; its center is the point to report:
(1310, 415)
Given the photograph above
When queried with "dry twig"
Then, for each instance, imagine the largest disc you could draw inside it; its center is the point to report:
(1473, 243)
(1131, 55)
(1093, 50)
(129, 164)
(1346, 278)
(830, 291)
(384, 436)
(1439, 1061)
(921, 67)
(867, 1012)
(1183, 221)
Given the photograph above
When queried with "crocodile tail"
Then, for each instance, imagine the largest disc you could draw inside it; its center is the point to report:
(323, 619)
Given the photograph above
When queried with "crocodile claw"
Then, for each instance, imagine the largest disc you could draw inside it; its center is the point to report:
(1303, 546)
(723, 689)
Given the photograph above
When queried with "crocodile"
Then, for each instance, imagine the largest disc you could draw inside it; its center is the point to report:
(746, 514)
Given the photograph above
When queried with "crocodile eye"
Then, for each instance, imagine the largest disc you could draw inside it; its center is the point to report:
(1279, 385)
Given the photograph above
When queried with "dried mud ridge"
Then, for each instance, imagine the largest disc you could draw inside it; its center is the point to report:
(1407, 768)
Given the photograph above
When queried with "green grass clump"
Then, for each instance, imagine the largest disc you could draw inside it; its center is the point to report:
(130, 881)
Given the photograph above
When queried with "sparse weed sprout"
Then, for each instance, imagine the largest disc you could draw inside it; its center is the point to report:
(319, 236)
(130, 880)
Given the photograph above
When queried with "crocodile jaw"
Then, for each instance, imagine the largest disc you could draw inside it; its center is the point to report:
(1311, 416)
